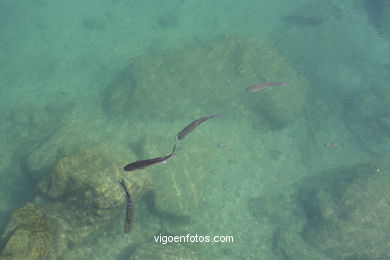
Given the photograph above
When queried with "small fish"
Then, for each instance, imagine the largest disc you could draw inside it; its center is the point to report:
(329, 145)
(265, 85)
(137, 165)
(189, 128)
(223, 146)
(129, 208)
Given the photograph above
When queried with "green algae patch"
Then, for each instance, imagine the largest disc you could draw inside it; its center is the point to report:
(208, 77)
(83, 192)
(29, 234)
(90, 177)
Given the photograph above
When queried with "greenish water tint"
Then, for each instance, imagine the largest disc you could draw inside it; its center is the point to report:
(289, 172)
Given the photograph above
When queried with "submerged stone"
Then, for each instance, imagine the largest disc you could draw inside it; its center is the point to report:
(210, 76)
(90, 178)
(341, 213)
(83, 192)
(29, 234)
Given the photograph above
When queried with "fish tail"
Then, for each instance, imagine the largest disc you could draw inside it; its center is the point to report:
(217, 115)
(173, 151)
(123, 184)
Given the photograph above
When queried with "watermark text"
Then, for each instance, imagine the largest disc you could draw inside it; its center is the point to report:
(165, 239)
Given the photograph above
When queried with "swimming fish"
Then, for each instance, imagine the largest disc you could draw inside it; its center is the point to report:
(129, 208)
(223, 146)
(189, 128)
(329, 145)
(265, 85)
(137, 165)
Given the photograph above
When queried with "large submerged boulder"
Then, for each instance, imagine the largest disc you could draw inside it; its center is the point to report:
(342, 213)
(83, 193)
(89, 179)
(29, 234)
(209, 76)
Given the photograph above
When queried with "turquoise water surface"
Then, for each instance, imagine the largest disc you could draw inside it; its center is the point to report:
(298, 170)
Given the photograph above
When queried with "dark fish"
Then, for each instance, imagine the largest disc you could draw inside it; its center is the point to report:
(137, 165)
(265, 85)
(189, 128)
(129, 209)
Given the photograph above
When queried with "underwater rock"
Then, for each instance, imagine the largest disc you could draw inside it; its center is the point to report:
(64, 141)
(163, 252)
(343, 214)
(261, 63)
(208, 77)
(29, 234)
(90, 178)
(84, 193)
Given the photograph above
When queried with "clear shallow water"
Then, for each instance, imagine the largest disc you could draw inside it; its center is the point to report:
(275, 188)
